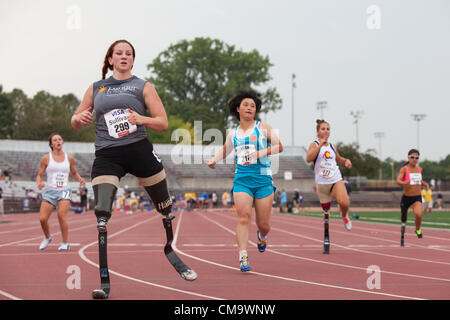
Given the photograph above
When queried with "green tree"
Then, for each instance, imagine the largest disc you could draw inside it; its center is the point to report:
(363, 164)
(38, 117)
(7, 116)
(195, 79)
(166, 136)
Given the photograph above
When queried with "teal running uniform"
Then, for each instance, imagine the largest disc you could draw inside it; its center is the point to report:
(252, 176)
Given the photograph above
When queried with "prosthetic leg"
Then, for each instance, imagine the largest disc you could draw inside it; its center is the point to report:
(402, 230)
(326, 216)
(326, 241)
(104, 197)
(156, 187)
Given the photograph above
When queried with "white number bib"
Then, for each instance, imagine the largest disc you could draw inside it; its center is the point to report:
(60, 179)
(415, 178)
(117, 122)
(326, 169)
(243, 152)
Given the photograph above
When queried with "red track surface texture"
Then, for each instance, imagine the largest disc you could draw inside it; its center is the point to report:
(292, 268)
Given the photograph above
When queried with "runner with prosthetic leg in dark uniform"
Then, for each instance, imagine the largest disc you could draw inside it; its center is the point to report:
(121, 146)
(410, 177)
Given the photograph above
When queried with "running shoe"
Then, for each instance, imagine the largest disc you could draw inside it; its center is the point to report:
(419, 234)
(261, 244)
(189, 275)
(45, 242)
(347, 222)
(64, 247)
(243, 264)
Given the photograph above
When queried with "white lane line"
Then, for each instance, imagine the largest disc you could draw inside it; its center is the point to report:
(372, 238)
(83, 257)
(390, 225)
(90, 225)
(333, 263)
(283, 278)
(10, 296)
(338, 264)
(363, 236)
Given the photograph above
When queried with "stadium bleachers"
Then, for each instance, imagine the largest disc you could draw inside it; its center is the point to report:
(25, 164)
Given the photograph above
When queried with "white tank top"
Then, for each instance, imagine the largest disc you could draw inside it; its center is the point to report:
(326, 170)
(58, 173)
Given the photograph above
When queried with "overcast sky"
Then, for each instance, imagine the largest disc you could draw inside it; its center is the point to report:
(387, 58)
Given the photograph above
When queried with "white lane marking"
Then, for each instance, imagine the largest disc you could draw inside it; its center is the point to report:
(90, 225)
(373, 238)
(83, 257)
(6, 294)
(333, 263)
(284, 278)
(390, 225)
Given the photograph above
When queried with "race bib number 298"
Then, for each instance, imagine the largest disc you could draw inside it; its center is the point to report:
(117, 122)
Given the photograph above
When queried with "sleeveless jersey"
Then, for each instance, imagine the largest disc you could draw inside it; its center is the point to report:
(244, 146)
(112, 98)
(326, 170)
(58, 173)
(414, 178)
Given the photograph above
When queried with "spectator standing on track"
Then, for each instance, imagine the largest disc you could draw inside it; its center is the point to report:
(296, 200)
(348, 187)
(214, 199)
(253, 177)
(283, 200)
(328, 178)
(122, 103)
(204, 200)
(432, 183)
(83, 198)
(57, 165)
(225, 196)
(427, 196)
(6, 174)
(440, 201)
(410, 177)
(2, 209)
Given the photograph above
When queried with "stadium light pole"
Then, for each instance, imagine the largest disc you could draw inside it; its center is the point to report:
(418, 117)
(357, 115)
(292, 115)
(379, 136)
(322, 105)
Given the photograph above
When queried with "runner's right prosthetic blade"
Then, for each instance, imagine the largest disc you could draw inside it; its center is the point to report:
(185, 272)
(326, 240)
(402, 238)
(103, 292)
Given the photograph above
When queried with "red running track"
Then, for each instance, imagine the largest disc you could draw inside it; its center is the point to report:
(292, 268)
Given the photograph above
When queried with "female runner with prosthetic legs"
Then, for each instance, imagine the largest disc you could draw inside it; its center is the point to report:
(121, 146)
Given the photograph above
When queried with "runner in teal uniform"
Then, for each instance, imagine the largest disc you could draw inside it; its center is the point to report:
(253, 141)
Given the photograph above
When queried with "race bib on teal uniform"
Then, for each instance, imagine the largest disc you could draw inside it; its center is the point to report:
(117, 123)
(243, 153)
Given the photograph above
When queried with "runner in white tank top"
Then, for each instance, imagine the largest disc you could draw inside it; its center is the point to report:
(57, 173)
(326, 170)
(328, 178)
(57, 193)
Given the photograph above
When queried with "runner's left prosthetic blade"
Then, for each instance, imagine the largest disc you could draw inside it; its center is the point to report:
(185, 272)
(103, 292)
(326, 240)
